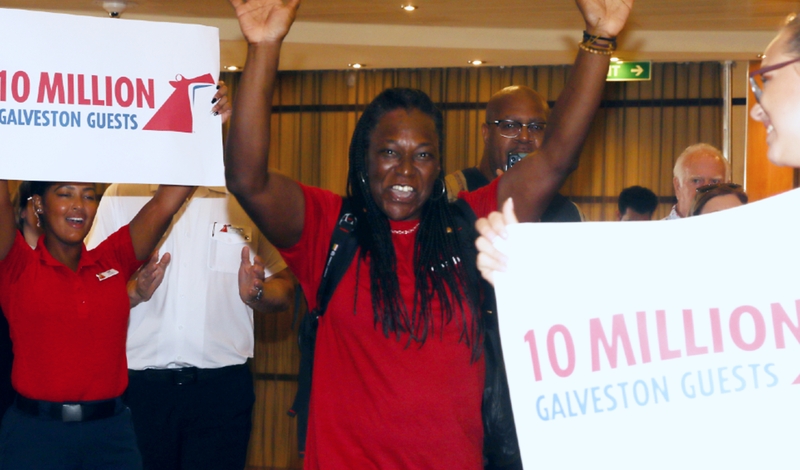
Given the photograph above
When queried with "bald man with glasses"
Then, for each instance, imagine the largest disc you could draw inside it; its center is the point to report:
(516, 119)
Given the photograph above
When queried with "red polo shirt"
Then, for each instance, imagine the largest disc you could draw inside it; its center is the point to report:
(68, 328)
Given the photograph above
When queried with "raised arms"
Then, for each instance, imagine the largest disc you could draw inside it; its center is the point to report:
(274, 202)
(535, 180)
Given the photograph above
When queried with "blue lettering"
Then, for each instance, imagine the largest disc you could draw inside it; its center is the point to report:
(75, 119)
(3, 116)
(582, 405)
(735, 371)
(12, 117)
(657, 388)
(133, 120)
(613, 400)
(28, 116)
(683, 386)
(636, 393)
(117, 121)
(36, 118)
(546, 415)
(710, 383)
(624, 395)
(569, 406)
(755, 373)
(595, 399)
(774, 377)
(722, 380)
(557, 408)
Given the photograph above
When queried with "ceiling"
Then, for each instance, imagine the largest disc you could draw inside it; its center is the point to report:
(329, 34)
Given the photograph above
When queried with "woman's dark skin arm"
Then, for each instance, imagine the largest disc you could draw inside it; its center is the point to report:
(534, 181)
(273, 201)
(8, 228)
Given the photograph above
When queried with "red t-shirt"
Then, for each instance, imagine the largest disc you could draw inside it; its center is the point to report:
(68, 328)
(378, 402)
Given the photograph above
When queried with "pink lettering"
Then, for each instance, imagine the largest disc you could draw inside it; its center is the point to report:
(619, 333)
(551, 350)
(736, 331)
(780, 319)
(663, 340)
(531, 340)
(688, 329)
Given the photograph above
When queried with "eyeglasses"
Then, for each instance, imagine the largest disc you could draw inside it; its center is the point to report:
(709, 187)
(509, 128)
(757, 76)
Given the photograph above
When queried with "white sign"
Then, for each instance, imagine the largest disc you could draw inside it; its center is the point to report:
(108, 100)
(657, 345)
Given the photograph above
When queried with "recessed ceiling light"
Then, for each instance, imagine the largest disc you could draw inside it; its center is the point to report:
(476, 62)
(356, 65)
(408, 7)
(760, 56)
(616, 59)
(232, 68)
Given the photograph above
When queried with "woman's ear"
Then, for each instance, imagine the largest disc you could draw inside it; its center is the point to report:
(37, 204)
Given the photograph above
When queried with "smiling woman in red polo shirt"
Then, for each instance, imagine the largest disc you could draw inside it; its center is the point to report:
(68, 310)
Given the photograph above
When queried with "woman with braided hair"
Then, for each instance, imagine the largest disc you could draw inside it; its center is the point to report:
(398, 371)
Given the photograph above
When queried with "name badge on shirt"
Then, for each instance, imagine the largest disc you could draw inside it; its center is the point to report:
(107, 274)
(229, 233)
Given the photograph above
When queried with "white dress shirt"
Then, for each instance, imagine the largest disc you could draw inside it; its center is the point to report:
(195, 318)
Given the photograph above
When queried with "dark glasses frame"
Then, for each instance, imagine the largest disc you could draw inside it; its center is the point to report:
(709, 187)
(757, 91)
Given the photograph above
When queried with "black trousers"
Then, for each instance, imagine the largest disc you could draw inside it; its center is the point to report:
(192, 419)
(31, 442)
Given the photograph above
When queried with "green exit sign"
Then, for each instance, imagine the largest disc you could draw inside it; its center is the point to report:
(628, 71)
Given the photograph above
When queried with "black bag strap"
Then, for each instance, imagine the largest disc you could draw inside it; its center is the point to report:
(343, 248)
(475, 179)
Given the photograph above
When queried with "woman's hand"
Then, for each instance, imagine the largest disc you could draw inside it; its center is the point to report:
(147, 280)
(490, 259)
(265, 21)
(251, 278)
(222, 106)
(605, 18)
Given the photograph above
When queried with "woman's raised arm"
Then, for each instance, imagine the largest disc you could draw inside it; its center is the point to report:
(273, 201)
(8, 227)
(534, 181)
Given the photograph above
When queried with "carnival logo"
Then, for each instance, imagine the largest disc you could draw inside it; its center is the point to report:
(176, 113)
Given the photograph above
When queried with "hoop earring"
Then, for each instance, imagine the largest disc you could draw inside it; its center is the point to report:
(442, 194)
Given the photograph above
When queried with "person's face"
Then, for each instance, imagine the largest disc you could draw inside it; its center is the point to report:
(520, 107)
(779, 109)
(631, 215)
(699, 169)
(403, 163)
(720, 203)
(67, 211)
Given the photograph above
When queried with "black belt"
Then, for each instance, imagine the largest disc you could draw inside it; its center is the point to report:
(184, 375)
(70, 412)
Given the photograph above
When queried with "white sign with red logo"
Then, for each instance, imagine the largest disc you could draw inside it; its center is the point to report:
(657, 345)
(109, 100)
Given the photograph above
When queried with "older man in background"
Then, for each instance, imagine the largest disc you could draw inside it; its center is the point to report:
(698, 165)
(516, 118)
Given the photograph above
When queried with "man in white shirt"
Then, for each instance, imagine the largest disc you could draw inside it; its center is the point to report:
(698, 165)
(191, 391)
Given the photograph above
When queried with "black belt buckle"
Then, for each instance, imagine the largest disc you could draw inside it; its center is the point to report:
(71, 413)
(185, 376)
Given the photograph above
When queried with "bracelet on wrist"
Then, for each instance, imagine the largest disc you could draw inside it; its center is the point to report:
(594, 49)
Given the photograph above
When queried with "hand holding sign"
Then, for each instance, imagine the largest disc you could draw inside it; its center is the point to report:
(265, 21)
(490, 259)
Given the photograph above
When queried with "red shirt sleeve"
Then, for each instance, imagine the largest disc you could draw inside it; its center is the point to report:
(482, 200)
(307, 257)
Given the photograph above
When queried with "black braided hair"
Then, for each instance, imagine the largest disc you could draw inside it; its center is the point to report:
(439, 258)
